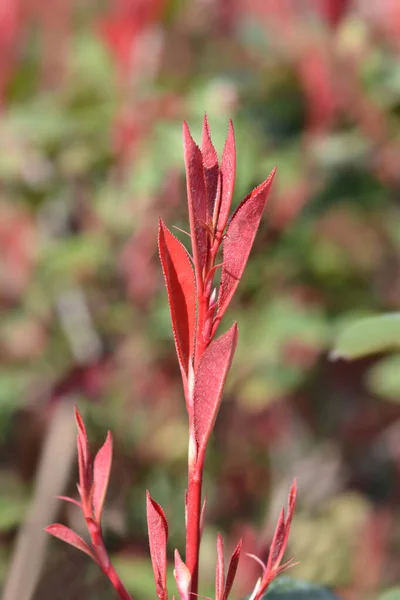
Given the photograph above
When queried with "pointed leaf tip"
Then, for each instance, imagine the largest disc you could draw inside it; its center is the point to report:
(239, 240)
(182, 577)
(232, 569)
(69, 537)
(181, 290)
(158, 536)
(79, 423)
(228, 174)
(101, 475)
(220, 569)
(197, 198)
(211, 168)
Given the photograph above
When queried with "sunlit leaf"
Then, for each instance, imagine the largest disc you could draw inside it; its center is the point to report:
(368, 336)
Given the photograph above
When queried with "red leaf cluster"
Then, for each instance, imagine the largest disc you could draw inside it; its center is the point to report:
(196, 308)
(277, 548)
(92, 488)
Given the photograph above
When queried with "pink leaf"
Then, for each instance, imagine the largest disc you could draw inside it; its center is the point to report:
(101, 476)
(181, 289)
(82, 435)
(197, 199)
(72, 500)
(228, 173)
(233, 565)
(239, 240)
(209, 382)
(158, 535)
(220, 570)
(211, 168)
(182, 577)
(70, 537)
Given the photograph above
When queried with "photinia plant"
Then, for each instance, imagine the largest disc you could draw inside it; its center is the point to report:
(197, 306)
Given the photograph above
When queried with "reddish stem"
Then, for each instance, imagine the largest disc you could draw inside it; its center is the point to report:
(104, 561)
(193, 524)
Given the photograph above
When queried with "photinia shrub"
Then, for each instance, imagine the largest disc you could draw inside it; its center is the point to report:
(197, 306)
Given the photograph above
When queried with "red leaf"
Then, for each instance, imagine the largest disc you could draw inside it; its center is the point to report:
(220, 570)
(209, 382)
(211, 168)
(158, 535)
(72, 500)
(182, 577)
(181, 289)
(70, 537)
(239, 240)
(277, 545)
(197, 199)
(101, 476)
(233, 565)
(279, 542)
(228, 173)
(82, 436)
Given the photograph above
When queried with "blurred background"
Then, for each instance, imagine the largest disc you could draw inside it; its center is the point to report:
(92, 96)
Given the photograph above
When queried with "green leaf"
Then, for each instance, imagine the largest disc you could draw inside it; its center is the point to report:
(286, 588)
(392, 594)
(384, 378)
(369, 336)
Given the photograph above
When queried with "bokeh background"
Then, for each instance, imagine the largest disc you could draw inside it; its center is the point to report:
(92, 98)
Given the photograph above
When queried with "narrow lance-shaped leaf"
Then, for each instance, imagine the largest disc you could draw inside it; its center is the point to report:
(211, 168)
(220, 569)
(158, 537)
(228, 174)
(279, 543)
(209, 382)
(71, 500)
(197, 199)
(182, 577)
(181, 289)
(70, 537)
(101, 476)
(233, 565)
(83, 438)
(239, 240)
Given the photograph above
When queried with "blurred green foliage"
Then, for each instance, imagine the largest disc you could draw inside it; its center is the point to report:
(91, 155)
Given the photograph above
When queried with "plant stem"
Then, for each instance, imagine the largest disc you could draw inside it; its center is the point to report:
(193, 524)
(104, 561)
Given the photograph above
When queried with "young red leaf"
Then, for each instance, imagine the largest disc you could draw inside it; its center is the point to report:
(197, 199)
(233, 565)
(82, 435)
(101, 476)
(228, 173)
(182, 577)
(220, 570)
(281, 535)
(209, 381)
(71, 500)
(84, 471)
(181, 289)
(70, 537)
(211, 168)
(277, 544)
(239, 240)
(158, 535)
